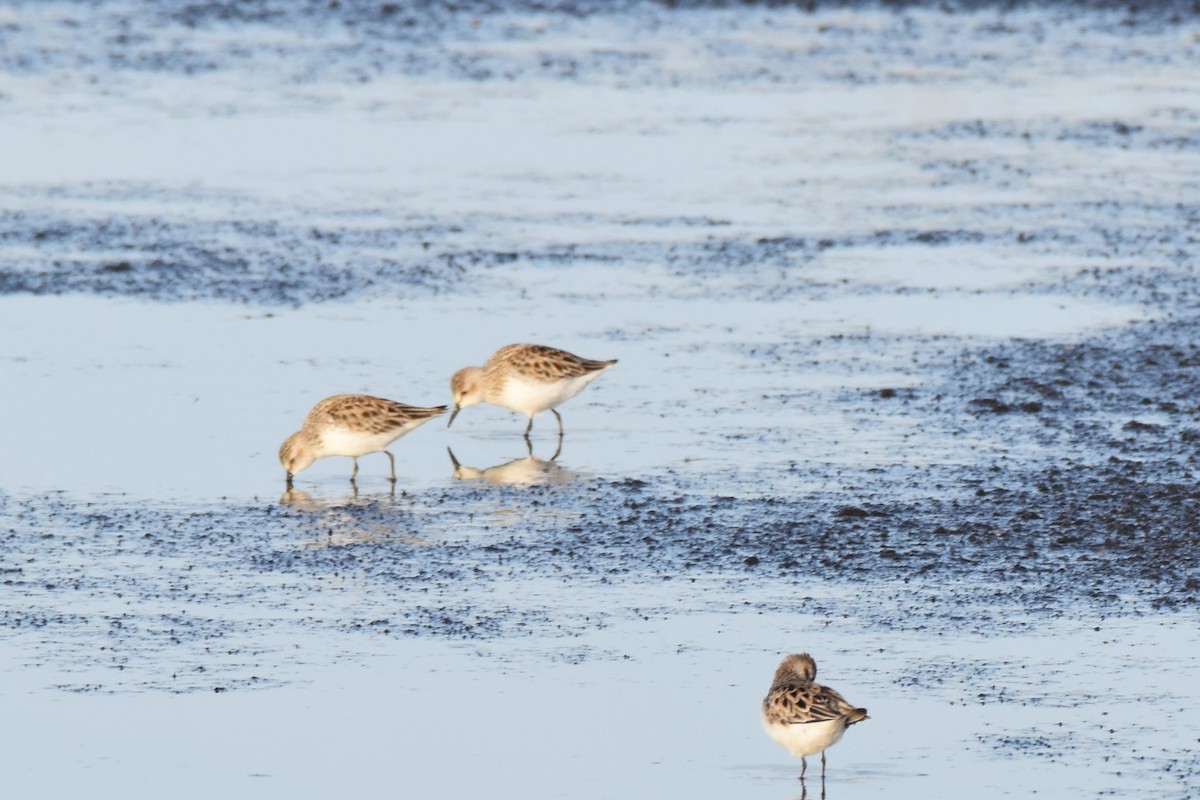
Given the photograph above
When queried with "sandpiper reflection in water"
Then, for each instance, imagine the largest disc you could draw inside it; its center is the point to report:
(356, 518)
(527, 471)
(304, 501)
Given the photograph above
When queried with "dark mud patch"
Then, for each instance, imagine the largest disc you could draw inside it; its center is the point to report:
(365, 41)
(263, 262)
(136, 587)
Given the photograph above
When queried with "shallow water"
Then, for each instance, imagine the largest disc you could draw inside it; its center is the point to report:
(655, 705)
(903, 302)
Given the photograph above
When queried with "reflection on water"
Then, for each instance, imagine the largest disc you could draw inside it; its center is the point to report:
(526, 471)
(303, 501)
(342, 520)
(804, 782)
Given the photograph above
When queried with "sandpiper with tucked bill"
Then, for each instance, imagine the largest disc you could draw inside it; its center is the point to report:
(804, 716)
(526, 378)
(351, 425)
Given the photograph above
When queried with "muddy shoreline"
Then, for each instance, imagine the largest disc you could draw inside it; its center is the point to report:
(1102, 522)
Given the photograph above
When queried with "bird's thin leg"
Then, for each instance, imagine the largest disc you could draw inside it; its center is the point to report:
(558, 416)
(529, 427)
(557, 450)
(803, 766)
(354, 474)
(393, 463)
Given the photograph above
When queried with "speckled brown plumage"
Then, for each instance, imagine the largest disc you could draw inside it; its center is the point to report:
(802, 715)
(796, 698)
(541, 362)
(360, 412)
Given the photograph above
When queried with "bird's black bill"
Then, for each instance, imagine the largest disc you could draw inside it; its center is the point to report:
(453, 414)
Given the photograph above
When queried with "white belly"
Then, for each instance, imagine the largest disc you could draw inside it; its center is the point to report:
(806, 738)
(534, 397)
(343, 442)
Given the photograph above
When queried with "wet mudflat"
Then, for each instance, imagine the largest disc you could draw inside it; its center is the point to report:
(904, 302)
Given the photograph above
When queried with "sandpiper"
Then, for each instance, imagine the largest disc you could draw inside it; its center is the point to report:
(351, 425)
(526, 378)
(804, 716)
